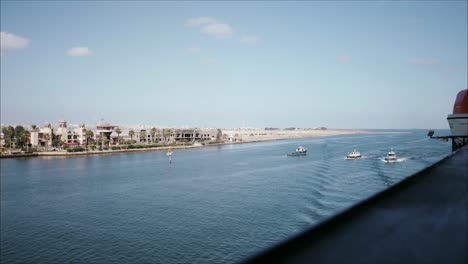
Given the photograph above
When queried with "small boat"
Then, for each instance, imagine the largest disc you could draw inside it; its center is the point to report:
(391, 156)
(169, 153)
(355, 154)
(300, 151)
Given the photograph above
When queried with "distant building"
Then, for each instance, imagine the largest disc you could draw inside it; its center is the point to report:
(104, 131)
(194, 134)
(80, 132)
(62, 130)
(34, 138)
(168, 135)
(41, 137)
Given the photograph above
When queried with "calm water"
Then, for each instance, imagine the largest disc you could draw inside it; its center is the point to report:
(211, 205)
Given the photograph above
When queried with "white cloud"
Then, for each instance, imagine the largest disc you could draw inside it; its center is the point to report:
(194, 22)
(211, 26)
(249, 39)
(344, 59)
(194, 50)
(11, 41)
(424, 61)
(219, 30)
(210, 60)
(79, 52)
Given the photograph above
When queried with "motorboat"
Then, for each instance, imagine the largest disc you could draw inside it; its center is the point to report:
(391, 156)
(355, 154)
(300, 151)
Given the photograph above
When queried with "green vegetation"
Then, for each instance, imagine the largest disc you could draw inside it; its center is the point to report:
(219, 136)
(15, 137)
(76, 149)
(118, 131)
(143, 136)
(89, 134)
(153, 134)
(46, 137)
(140, 146)
(56, 141)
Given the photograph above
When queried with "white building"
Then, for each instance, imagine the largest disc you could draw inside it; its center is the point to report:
(62, 130)
(34, 138)
(46, 136)
(80, 132)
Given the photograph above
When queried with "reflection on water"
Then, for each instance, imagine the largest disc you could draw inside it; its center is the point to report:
(210, 205)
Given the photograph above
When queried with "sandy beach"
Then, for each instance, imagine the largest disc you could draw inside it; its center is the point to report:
(255, 135)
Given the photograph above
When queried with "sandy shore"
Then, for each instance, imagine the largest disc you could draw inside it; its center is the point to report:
(266, 135)
(239, 137)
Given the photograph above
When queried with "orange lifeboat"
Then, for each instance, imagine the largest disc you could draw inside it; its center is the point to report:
(461, 103)
(458, 121)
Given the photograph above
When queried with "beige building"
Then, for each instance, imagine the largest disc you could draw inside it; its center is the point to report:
(80, 132)
(62, 130)
(103, 133)
(194, 134)
(41, 137)
(47, 133)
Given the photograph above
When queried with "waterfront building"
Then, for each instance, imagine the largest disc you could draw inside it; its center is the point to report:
(34, 138)
(167, 135)
(194, 134)
(80, 132)
(104, 132)
(62, 130)
(41, 137)
(46, 134)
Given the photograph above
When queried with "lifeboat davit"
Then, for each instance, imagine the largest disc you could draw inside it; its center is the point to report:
(458, 121)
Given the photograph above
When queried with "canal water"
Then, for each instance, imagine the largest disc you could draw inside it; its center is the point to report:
(210, 205)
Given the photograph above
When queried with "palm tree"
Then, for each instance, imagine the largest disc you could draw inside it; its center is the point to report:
(20, 133)
(219, 135)
(46, 137)
(26, 136)
(118, 131)
(166, 134)
(89, 134)
(131, 133)
(143, 136)
(153, 133)
(9, 133)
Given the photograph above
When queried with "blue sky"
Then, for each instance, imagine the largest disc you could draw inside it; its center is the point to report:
(350, 64)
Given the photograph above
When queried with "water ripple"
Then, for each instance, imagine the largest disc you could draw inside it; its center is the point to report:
(211, 205)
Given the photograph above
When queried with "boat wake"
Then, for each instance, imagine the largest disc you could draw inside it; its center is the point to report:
(362, 157)
(393, 161)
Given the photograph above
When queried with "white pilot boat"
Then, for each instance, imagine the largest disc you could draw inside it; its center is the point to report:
(300, 151)
(391, 156)
(355, 154)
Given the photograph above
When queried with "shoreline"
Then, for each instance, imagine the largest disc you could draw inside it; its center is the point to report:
(283, 136)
